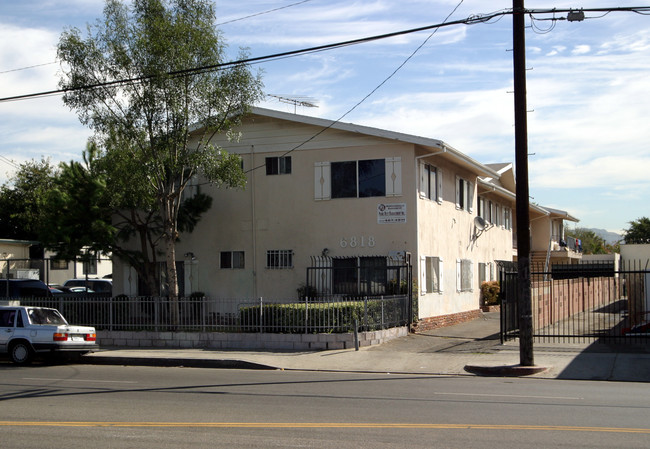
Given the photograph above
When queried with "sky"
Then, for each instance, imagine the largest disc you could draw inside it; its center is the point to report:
(588, 85)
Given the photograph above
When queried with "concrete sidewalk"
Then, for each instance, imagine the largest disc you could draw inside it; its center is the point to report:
(445, 351)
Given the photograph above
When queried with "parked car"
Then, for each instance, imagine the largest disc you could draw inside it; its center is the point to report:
(99, 287)
(23, 288)
(29, 331)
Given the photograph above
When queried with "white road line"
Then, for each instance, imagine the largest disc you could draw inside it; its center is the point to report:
(80, 380)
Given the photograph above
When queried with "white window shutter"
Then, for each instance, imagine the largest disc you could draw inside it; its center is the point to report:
(439, 179)
(393, 176)
(458, 181)
(423, 275)
(440, 276)
(424, 180)
(322, 181)
(470, 197)
(458, 272)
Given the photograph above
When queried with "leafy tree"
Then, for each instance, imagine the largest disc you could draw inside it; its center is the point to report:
(639, 231)
(22, 198)
(591, 243)
(89, 211)
(145, 104)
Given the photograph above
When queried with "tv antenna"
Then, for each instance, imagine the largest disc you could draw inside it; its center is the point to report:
(296, 100)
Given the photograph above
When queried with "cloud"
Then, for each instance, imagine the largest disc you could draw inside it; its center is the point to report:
(581, 49)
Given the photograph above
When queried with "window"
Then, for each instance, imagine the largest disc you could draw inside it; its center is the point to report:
(278, 165)
(232, 259)
(431, 275)
(507, 219)
(58, 264)
(464, 194)
(358, 179)
(359, 275)
(464, 275)
(362, 179)
(279, 258)
(430, 183)
(90, 266)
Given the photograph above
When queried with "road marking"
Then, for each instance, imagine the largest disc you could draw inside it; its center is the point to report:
(516, 396)
(323, 426)
(81, 380)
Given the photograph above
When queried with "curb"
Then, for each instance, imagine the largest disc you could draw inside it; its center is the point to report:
(505, 370)
(175, 362)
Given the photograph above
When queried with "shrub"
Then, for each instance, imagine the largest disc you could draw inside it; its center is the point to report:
(321, 317)
(490, 293)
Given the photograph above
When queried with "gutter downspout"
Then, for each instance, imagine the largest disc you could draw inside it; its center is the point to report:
(253, 223)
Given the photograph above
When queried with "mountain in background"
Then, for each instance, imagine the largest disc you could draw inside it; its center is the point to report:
(609, 237)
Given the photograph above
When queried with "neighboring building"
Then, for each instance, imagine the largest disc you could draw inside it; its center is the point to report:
(550, 245)
(342, 195)
(636, 256)
(58, 271)
(14, 260)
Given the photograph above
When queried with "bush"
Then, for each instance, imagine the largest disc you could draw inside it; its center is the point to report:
(490, 292)
(318, 317)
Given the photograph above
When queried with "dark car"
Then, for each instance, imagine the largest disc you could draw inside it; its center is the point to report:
(98, 287)
(23, 288)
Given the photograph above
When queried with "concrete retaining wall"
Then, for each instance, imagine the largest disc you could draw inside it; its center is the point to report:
(219, 340)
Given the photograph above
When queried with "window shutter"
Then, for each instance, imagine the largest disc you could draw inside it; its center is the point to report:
(440, 277)
(458, 272)
(322, 181)
(394, 176)
(458, 192)
(470, 197)
(424, 180)
(439, 180)
(423, 275)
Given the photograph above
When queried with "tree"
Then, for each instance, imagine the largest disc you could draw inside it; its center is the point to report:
(145, 104)
(22, 198)
(92, 210)
(639, 231)
(591, 243)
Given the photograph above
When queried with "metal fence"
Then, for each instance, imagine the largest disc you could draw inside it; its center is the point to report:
(581, 303)
(308, 315)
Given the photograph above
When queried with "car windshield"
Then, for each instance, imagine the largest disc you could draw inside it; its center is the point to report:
(45, 316)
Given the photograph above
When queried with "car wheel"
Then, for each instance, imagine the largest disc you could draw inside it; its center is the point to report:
(21, 353)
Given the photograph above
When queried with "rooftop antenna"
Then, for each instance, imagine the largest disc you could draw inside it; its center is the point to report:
(296, 100)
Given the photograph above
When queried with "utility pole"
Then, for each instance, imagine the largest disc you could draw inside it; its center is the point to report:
(521, 175)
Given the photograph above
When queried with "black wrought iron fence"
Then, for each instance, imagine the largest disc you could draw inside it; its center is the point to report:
(590, 303)
(306, 315)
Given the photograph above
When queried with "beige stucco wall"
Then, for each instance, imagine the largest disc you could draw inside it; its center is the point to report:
(635, 255)
(280, 212)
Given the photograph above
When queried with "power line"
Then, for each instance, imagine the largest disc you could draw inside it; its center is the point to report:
(257, 60)
(28, 67)
(263, 12)
(218, 24)
(371, 92)
(9, 161)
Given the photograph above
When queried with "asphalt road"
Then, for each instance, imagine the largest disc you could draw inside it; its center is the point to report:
(137, 407)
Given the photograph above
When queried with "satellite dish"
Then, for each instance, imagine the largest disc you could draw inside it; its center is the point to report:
(480, 223)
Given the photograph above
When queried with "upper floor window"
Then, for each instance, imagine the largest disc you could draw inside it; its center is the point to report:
(430, 182)
(358, 179)
(507, 218)
(464, 194)
(278, 165)
(352, 179)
